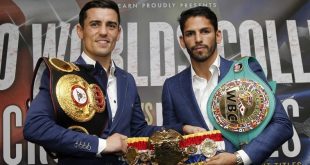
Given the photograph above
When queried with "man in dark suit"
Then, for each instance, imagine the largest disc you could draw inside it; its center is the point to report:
(186, 94)
(99, 29)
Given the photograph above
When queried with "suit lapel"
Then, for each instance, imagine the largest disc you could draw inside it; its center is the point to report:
(224, 68)
(80, 61)
(122, 86)
(188, 93)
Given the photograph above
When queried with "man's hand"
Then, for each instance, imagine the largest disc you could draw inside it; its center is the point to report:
(116, 143)
(188, 129)
(223, 159)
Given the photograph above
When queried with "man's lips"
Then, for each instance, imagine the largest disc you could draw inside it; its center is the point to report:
(199, 47)
(103, 41)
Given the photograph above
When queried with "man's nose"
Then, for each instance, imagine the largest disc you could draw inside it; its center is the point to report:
(198, 38)
(103, 30)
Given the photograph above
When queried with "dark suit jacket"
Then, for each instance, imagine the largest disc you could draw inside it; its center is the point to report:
(180, 107)
(41, 128)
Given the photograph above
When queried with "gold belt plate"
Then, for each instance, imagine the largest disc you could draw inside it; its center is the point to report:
(78, 99)
(240, 105)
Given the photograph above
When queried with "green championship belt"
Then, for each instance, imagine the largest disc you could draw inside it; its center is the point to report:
(242, 104)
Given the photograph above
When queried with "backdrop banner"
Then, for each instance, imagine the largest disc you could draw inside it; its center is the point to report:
(276, 32)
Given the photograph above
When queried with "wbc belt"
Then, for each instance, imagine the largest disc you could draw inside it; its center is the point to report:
(78, 100)
(242, 104)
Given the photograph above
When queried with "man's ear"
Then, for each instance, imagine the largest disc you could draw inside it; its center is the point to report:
(182, 43)
(218, 36)
(119, 32)
(79, 30)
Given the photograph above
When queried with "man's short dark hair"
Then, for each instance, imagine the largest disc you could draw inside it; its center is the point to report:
(198, 11)
(98, 4)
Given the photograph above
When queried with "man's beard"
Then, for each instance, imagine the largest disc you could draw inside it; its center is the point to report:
(202, 57)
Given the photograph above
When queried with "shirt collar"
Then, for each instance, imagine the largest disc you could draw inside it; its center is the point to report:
(90, 61)
(213, 67)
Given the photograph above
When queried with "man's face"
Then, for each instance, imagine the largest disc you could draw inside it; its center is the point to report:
(100, 32)
(200, 38)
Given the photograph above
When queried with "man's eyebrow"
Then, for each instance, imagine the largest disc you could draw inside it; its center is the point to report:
(112, 22)
(206, 28)
(203, 28)
(94, 21)
(189, 30)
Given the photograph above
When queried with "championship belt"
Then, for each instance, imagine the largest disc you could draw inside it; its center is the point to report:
(171, 148)
(241, 105)
(78, 100)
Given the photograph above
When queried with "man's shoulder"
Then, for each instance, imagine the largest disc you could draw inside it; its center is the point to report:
(121, 72)
(177, 77)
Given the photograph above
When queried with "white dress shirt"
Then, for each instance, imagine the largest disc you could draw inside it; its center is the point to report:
(111, 91)
(202, 89)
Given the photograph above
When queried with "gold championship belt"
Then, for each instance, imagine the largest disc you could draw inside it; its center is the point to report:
(171, 148)
(78, 100)
(241, 105)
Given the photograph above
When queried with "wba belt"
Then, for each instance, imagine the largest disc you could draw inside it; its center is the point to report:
(170, 147)
(241, 105)
(78, 100)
